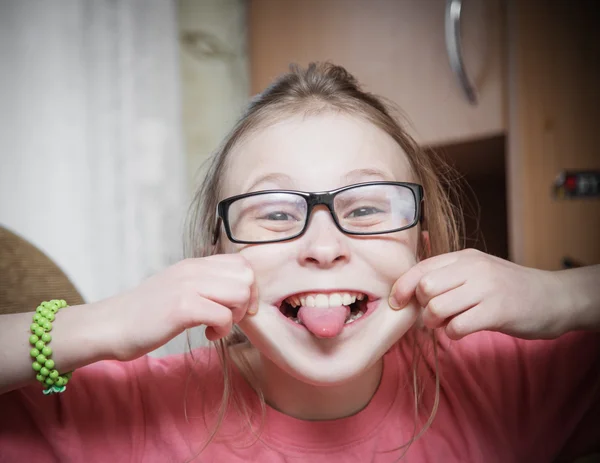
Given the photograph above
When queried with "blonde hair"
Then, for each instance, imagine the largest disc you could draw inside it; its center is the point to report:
(313, 90)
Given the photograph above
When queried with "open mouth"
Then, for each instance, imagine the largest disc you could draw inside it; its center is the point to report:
(356, 301)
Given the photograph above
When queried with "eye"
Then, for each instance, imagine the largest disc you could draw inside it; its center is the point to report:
(278, 216)
(363, 211)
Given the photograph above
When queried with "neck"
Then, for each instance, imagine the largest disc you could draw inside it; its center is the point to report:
(298, 399)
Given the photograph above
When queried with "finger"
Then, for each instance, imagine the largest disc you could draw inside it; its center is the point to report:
(221, 331)
(449, 304)
(209, 313)
(404, 288)
(226, 291)
(211, 334)
(441, 280)
(230, 283)
(478, 318)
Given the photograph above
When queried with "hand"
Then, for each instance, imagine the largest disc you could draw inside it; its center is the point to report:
(214, 291)
(469, 291)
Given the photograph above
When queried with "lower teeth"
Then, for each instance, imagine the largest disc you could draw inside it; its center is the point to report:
(353, 317)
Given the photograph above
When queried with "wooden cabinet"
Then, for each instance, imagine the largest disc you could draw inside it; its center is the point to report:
(396, 48)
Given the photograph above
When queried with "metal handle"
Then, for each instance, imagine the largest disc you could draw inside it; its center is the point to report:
(454, 48)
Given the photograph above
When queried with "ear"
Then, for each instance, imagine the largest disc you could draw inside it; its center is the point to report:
(424, 246)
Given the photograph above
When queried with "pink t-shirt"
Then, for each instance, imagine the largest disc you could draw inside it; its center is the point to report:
(501, 400)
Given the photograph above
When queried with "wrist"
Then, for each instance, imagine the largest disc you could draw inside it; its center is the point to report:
(556, 303)
(80, 337)
(581, 297)
(101, 334)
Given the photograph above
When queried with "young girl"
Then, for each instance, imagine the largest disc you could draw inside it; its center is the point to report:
(312, 244)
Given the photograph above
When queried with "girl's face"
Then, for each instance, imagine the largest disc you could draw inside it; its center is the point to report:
(320, 153)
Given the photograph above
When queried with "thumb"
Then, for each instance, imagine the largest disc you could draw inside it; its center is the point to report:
(402, 291)
(404, 288)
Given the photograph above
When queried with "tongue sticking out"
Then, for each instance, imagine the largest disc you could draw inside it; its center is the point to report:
(324, 323)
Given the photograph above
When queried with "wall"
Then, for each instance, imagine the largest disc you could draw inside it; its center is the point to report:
(214, 72)
(92, 169)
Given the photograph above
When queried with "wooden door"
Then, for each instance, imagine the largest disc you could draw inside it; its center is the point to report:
(554, 124)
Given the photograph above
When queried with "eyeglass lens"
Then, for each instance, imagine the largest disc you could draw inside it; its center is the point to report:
(364, 209)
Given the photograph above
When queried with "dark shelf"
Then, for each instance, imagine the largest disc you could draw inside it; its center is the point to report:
(481, 177)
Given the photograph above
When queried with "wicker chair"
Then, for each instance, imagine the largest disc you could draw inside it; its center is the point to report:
(28, 276)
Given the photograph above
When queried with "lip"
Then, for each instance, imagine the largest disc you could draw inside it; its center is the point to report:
(372, 304)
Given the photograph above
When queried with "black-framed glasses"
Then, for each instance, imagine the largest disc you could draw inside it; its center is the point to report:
(270, 216)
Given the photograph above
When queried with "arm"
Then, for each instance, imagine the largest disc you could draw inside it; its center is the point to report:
(80, 336)
(214, 291)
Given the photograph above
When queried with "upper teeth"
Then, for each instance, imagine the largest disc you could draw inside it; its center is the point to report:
(324, 301)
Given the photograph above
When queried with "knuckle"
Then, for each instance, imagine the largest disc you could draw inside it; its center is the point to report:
(457, 329)
(247, 275)
(243, 261)
(241, 264)
(435, 308)
(472, 252)
(426, 285)
(225, 318)
(243, 293)
(218, 316)
(484, 266)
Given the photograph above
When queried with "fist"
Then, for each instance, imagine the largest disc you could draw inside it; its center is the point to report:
(215, 291)
(469, 291)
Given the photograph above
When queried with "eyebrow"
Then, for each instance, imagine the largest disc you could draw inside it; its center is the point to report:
(356, 175)
(285, 181)
(282, 180)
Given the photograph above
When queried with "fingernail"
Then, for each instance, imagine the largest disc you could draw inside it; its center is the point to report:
(254, 306)
(393, 303)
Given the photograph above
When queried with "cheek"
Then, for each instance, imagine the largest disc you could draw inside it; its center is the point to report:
(266, 259)
(390, 255)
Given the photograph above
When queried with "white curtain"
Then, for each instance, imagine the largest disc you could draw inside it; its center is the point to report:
(92, 169)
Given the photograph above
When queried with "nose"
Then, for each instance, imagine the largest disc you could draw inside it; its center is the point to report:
(323, 244)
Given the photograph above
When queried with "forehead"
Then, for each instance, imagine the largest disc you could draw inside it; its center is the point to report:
(315, 153)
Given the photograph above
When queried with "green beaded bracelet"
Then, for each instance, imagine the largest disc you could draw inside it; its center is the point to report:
(43, 365)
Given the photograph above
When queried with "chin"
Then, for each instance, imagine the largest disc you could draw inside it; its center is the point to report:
(327, 361)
